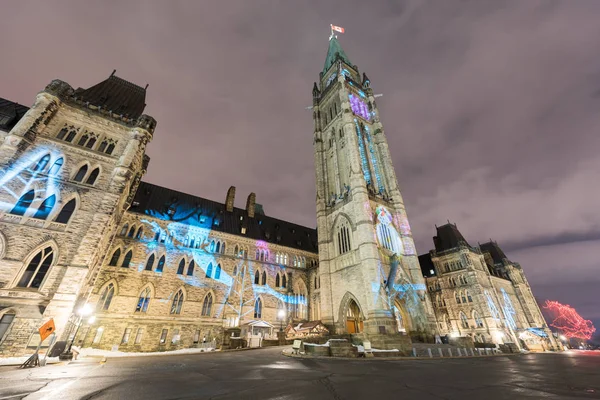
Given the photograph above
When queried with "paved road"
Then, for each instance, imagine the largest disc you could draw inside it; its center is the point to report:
(266, 374)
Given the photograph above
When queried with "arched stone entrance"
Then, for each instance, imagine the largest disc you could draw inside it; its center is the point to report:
(403, 320)
(354, 323)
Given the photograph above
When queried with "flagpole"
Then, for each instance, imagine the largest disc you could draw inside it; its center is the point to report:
(331, 27)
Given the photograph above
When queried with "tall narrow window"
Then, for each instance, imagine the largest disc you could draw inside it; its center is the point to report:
(37, 269)
(163, 336)
(264, 278)
(161, 264)
(257, 277)
(124, 230)
(127, 259)
(218, 247)
(106, 297)
(5, 323)
(143, 301)
(218, 272)
(42, 164)
(126, 335)
(93, 176)
(464, 322)
(139, 233)
(62, 133)
(190, 270)
(177, 302)
(56, 166)
(131, 232)
(98, 335)
(82, 139)
(139, 335)
(23, 204)
(181, 267)
(65, 214)
(150, 263)
(81, 173)
(207, 305)
(209, 270)
(283, 281)
(102, 146)
(45, 208)
(258, 309)
(236, 251)
(91, 142)
(277, 280)
(110, 149)
(115, 258)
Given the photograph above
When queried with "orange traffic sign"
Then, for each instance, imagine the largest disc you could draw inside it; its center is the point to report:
(47, 329)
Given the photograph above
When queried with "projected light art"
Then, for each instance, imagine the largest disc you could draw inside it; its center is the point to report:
(568, 320)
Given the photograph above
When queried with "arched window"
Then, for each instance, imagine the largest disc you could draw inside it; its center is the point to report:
(277, 280)
(161, 264)
(83, 139)
(283, 281)
(236, 251)
(257, 277)
(207, 305)
(150, 263)
(71, 136)
(6, 321)
(463, 297)
(65, 213)
(258, 309)
(223, 248)
(177, 303)
(37, 269)
(124, 230)
(218, 247)
(143, 301)
(81, 173)
(106, 297)
(277, 258)
(209, 270)
(478, 320)
(464, 321)
(23, 203)
(316, 283)
(218, 272)
(234, 270)
(343, 239)
(62, 133)
(110, 149)
(42, 164)
(131, 232)
(257, 254)
(212, 246)
(93, 176)
(139, 233)
(457, 297)
(102, 146)
(245, 253)
(191, 266)
(115, 258)
(45, 208)
(264, 278)
(469, 296)
(285, 259)
(127, 259)
(56, 166)
(181, 267)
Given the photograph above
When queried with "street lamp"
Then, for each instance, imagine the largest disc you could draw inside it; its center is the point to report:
(281, 316)
(83, 312)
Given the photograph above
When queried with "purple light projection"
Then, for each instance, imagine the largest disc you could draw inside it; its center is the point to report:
(359, 107)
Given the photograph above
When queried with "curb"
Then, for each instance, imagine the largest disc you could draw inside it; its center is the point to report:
(395, 358)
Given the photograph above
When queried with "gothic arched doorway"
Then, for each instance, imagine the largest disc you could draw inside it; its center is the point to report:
(353, 321)
(403, 322)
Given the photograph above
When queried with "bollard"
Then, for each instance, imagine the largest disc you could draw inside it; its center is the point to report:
(449, 351)
(472, 352)
(487, 351)
(414, 352)
(429, 352)
(458, 351)
(479, 350)
(441, 353)
(466, 352)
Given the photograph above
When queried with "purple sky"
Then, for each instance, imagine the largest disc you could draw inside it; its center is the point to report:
(491, 108)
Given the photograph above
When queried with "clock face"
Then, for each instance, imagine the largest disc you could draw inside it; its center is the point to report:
(331, 78)
(359, 107)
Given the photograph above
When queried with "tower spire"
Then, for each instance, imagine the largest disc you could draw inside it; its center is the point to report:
(334, 51)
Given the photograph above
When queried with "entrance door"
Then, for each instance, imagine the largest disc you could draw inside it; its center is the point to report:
(353, 323)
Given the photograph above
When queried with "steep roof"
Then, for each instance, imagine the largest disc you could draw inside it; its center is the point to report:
(332, 52)
(494, 250)
(171, 205)
(116, 95)
(448, 237)
(10, 114)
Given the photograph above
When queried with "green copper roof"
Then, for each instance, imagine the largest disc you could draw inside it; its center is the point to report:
(334, 48)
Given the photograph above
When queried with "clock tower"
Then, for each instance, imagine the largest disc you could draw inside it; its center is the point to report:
(369, 274)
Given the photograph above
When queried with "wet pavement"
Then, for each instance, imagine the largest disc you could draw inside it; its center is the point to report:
(266, 374)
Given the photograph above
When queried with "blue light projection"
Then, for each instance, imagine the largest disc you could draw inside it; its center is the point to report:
(29, 173)
(374, 159)
(363, 155)
(509, 310)
(492, 306)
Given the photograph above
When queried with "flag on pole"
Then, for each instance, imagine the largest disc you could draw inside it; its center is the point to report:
(337, 28)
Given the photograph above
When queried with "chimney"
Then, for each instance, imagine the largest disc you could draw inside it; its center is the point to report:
(250, 203)
(230, 199)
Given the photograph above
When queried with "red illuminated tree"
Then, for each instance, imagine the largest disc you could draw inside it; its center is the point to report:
(569, 321)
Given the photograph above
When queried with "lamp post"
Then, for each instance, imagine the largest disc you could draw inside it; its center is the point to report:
(281, 316)
(82, 313)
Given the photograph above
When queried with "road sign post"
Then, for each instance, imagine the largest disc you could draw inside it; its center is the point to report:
(45, 330)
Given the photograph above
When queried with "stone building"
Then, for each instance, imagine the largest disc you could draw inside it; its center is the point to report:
(478, 292)
(160, 269)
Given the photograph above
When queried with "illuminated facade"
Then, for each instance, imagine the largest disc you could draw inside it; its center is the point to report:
(68, 165)
(370, 280)
(478, 292)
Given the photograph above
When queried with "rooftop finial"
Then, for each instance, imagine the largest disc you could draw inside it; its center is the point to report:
(147, 84)
(113, 73)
